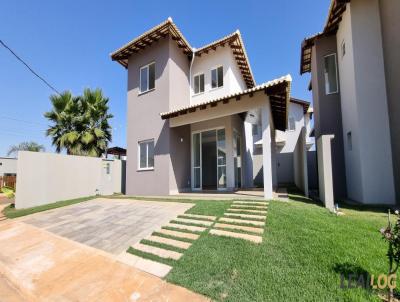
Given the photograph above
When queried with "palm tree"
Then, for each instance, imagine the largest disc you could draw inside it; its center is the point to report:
(25, 146)
(80, 124)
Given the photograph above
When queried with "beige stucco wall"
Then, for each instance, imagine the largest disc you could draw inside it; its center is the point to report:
(46, 178)
(8, 165)
(390, 25)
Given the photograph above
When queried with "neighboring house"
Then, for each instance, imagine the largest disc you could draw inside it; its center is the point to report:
(299, 115)
(355, 69)
(187, 113)
(8, 166)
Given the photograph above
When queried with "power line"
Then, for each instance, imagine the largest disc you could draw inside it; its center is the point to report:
(23, 121)
(30, 69)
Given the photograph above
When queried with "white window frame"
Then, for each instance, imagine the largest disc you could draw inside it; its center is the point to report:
(216, 68)
(147, 168)
(148, 78)
(294, 123)
(336, 74)
(194, 83)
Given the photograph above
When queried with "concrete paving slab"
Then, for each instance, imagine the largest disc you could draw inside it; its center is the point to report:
(252, 238)
(248, 211)
(200, 216)
(242, 221)
(239, 227)
(178, 234)
(186, 227)
(163, 253)
(176, 243)
(249, 216)
(240, 206)
(152, 267)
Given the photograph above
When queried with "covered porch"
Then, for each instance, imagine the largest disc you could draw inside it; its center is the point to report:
(220, 135)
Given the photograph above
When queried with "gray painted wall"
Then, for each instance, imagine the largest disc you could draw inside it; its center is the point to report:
(144, 122)
(390, 25)
(327, 112)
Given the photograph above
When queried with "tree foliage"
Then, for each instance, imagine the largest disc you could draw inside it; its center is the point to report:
(25, 146)
(80, 124)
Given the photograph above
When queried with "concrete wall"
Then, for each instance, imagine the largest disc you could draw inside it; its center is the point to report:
(325, 175)
(327, 111)
(364, 105)
(46, 178)
(300, 163)
(390, 26)
(8, 165)
(233, 80)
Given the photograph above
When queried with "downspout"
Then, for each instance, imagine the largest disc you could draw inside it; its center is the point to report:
(190, 76)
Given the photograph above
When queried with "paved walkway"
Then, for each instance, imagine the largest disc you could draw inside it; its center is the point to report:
(111, 225)
(47, 267)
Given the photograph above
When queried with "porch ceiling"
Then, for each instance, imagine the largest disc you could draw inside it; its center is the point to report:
(278, 91)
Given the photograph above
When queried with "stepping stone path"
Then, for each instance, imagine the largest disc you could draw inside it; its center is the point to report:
(243, 220)
(187, 227)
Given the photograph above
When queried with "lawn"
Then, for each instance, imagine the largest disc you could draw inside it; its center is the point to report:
(11, 212)
(305, 249)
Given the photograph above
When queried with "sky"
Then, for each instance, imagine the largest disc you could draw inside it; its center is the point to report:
(68, 42)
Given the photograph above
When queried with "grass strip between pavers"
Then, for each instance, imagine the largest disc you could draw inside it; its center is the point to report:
(189, 224)
(195, 218)
(11, 212)
(162, 246)
(243, 211)
(188, 240)
(181, 230)
(241, 224)
(148, 256)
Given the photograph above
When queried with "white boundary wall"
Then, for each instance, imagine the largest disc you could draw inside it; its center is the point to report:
(44, 178)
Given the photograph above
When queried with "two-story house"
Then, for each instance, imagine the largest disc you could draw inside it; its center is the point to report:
(187, 111)
(355, 69)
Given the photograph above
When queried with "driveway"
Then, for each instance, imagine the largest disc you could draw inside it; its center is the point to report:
(111, 225)
(45, 267)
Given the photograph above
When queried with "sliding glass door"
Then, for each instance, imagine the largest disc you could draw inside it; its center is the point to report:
(209, 160)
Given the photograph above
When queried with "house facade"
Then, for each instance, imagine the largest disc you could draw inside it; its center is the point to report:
(355, 68)
(191, 113)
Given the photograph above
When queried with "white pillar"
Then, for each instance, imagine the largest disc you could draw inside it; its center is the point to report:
(266, 144)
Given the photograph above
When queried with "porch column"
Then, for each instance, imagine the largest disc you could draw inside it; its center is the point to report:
(266, 145)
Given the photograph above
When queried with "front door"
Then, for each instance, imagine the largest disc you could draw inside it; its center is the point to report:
(209, 160)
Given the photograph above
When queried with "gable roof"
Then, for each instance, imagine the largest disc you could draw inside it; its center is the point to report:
(278, 90)
(336, 10)
(168, 27)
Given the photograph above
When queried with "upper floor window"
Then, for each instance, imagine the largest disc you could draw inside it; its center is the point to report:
(198, 83)
(292, 124)
(147, 77)
(330, 74)
(146, 155)
(217, 77)
(255, 129)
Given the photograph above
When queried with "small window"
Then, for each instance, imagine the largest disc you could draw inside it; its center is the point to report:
(292, 124)
(147, 77)
(146, 155)
(198, 83)
(330, 73)
(217, 77)
(108, 168)
(349, 141)
(255, 129)
(343, 48)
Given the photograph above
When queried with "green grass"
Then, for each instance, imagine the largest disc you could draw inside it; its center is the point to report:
(11, 212)
(304, 250)
(153, 257)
